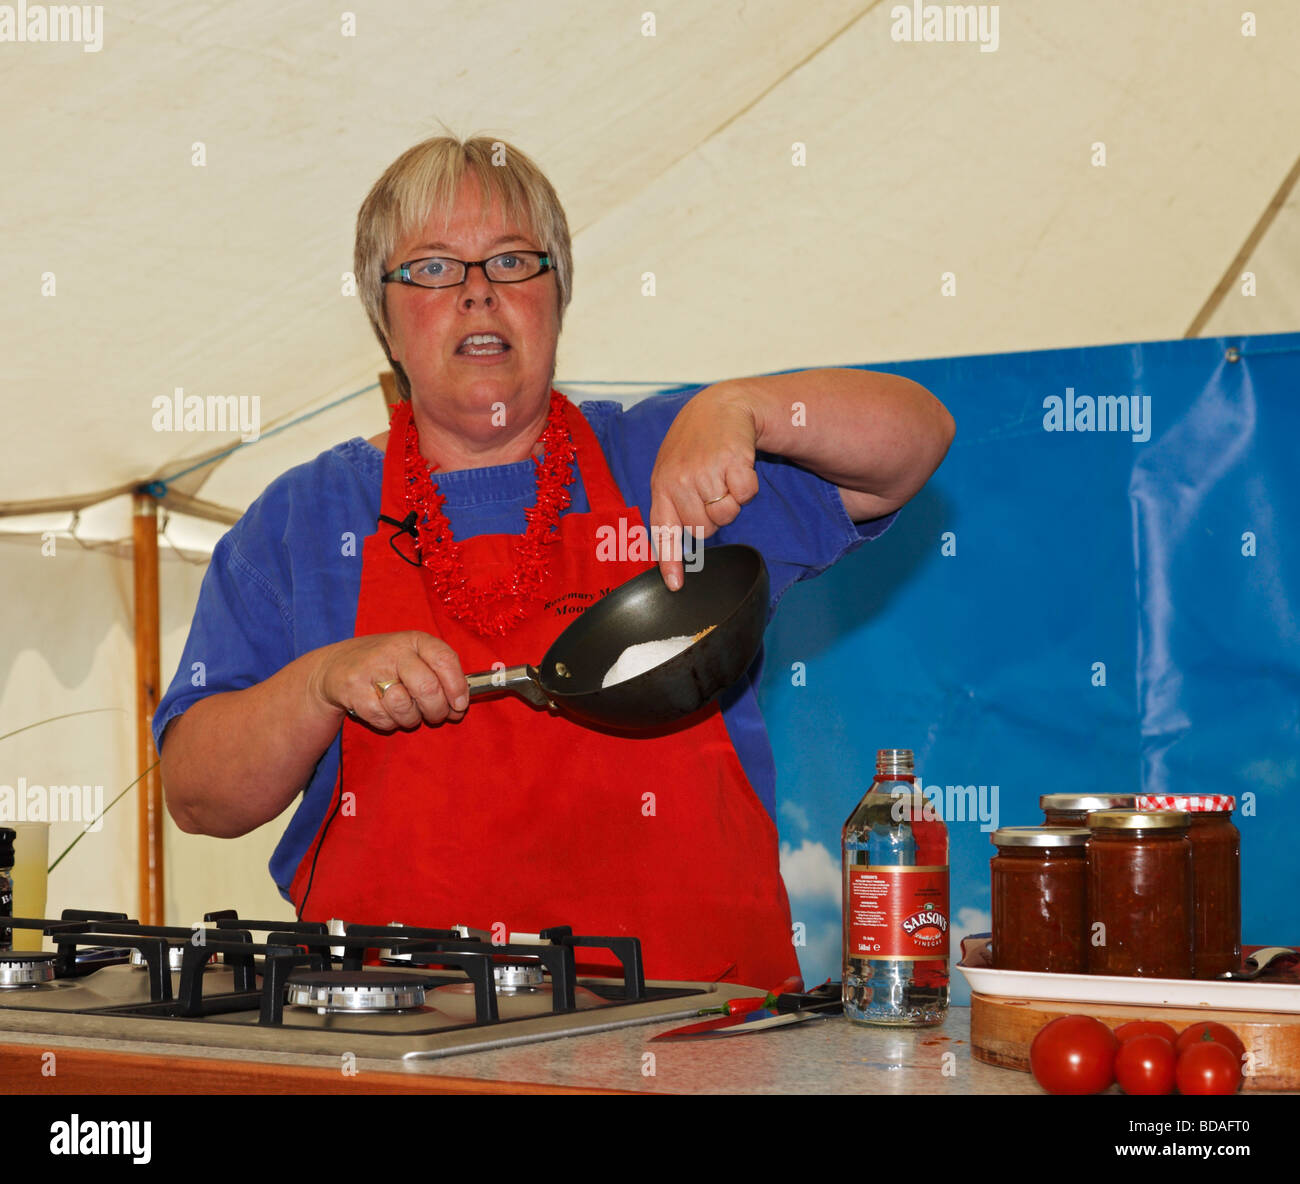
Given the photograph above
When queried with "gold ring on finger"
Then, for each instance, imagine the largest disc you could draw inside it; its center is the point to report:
(381, 685)
(717, 499)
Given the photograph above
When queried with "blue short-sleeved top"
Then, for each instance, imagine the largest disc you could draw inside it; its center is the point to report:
(286, 578)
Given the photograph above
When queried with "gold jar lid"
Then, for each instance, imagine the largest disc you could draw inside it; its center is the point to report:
(1040, 836)
(1138, 820)
(1088, 801)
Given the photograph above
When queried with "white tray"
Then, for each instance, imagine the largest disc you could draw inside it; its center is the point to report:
(1223, 995)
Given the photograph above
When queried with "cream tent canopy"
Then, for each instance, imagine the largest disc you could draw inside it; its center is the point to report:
(752, 185)
(799, 180)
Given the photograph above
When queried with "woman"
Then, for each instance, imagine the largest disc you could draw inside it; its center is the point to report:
(337, 678)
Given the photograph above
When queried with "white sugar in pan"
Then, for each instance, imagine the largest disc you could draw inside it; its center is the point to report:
(646, 655)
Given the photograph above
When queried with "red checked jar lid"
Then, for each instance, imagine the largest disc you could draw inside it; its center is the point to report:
(1192, 803)
(1216, 877)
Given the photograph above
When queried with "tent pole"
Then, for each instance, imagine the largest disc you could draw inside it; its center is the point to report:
(150, 850)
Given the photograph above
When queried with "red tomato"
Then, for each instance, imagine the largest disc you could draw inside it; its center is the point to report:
(1125, 1032)
(1204, 1032)
(1145, 1065)
(1074, 1054)
(1207, 1068)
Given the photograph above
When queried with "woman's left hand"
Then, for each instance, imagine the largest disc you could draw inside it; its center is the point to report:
(704, 472)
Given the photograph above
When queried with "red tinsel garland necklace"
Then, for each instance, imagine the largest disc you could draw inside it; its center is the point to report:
(495, 608)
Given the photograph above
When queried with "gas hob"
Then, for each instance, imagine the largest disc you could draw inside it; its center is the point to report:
(394, 991)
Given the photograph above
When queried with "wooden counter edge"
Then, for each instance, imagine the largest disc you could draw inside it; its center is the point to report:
(24, 1070)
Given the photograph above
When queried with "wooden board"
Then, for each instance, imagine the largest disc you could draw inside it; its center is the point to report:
(1001, 1031)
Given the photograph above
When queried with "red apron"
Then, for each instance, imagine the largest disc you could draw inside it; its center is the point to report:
(519, 817)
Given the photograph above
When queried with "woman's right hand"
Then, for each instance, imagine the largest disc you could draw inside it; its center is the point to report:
(428, 685)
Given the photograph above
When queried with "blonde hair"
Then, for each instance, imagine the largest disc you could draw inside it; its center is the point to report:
(428, 177)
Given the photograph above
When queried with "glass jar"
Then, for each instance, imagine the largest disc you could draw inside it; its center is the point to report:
(1072, 809)
(1216, 878)
(1040, 877)
(1140, 894)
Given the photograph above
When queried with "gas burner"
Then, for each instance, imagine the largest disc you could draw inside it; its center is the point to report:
(517, 976)
(330, 991)
(19, 968)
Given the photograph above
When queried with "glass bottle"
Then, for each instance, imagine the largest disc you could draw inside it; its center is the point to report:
(894, 849)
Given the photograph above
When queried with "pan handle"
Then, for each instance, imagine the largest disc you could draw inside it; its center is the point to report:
(522, 680)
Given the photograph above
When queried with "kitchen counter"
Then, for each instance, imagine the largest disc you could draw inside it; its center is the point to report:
(820, 1056)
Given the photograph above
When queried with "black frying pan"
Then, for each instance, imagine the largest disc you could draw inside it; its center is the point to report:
(730, 592)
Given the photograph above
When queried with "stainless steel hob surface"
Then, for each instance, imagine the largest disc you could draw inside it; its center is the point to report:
(279, 986)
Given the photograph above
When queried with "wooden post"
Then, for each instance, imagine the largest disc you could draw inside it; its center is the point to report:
(147, 691)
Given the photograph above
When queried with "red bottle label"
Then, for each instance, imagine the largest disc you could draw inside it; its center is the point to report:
(898, 912)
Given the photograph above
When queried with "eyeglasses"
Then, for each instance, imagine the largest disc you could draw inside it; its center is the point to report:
(512, 267)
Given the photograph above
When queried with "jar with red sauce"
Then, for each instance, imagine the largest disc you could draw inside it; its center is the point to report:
(1140, 894)
(1040, 877)
(1072, 809)
(1216, 878)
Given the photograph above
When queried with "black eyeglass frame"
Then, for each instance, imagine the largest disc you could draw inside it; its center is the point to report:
(401, 274)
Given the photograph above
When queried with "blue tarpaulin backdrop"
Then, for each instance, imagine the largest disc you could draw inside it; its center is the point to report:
(1063, 610)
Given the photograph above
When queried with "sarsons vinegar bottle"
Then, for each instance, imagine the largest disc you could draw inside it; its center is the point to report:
(895, 862)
